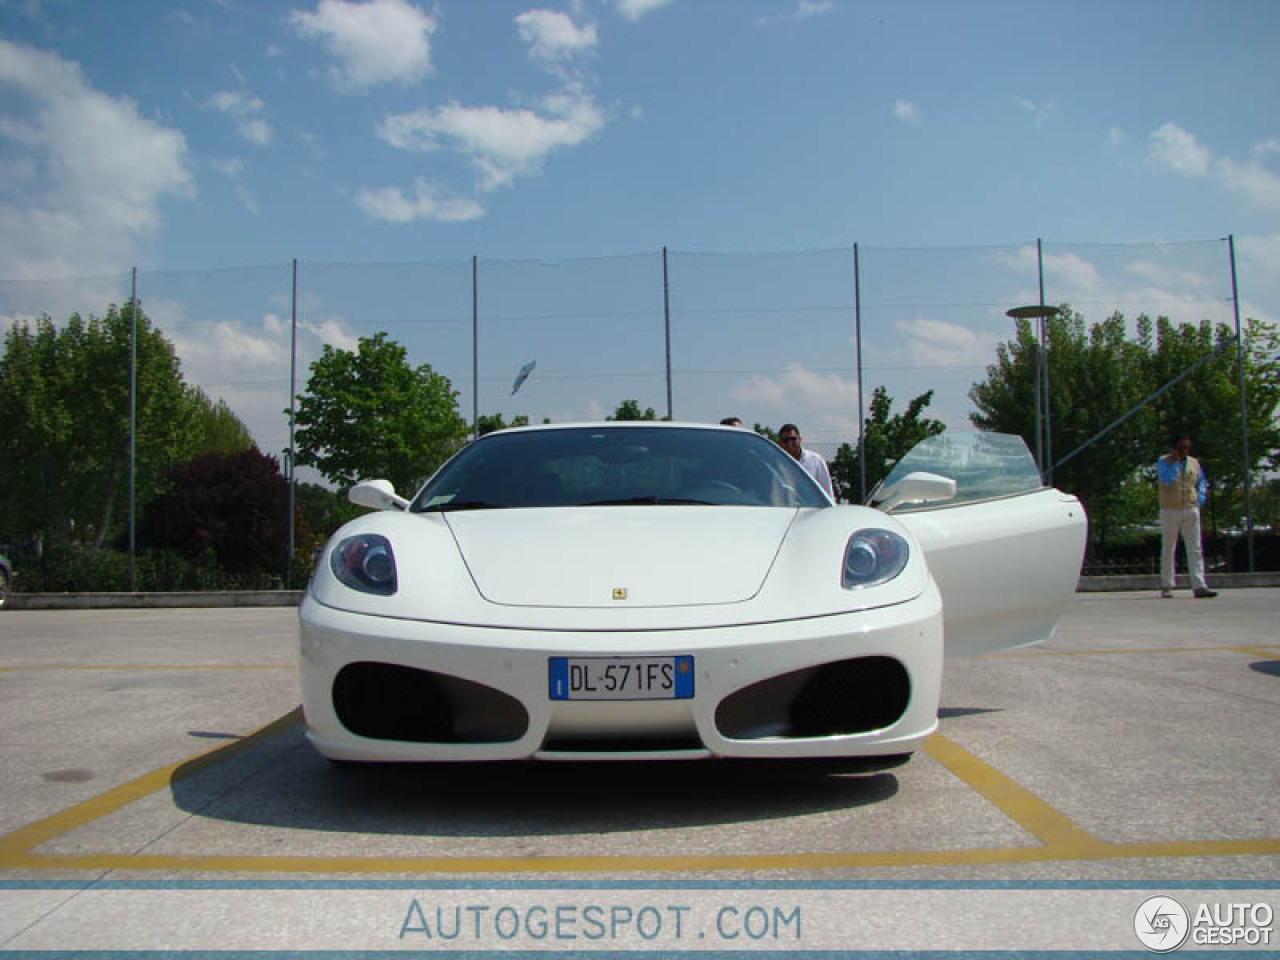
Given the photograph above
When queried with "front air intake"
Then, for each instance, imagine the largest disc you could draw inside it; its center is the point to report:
(834, 699)
(386, 701)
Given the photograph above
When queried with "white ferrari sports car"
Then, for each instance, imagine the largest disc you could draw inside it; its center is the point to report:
(663, 591)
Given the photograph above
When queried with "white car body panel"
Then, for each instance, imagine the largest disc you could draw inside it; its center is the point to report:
(453, 660)
(1006, 567)
(437, 586)
(672, 558)
(727, 660)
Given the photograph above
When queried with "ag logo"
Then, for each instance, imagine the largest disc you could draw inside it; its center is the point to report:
(1161, 924)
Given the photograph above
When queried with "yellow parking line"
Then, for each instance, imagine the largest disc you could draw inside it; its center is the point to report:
(26, 838)
(1261, 651)
(30, 667)
(1059, 838)
(1019, 804)
(643, 864)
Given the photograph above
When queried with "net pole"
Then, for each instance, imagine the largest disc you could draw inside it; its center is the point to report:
(1244, 404)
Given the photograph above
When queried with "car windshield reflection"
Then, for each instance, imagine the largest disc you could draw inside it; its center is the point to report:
(619, 466)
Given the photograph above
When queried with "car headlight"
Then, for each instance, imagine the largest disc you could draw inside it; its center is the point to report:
(365, 563)
(872, 557)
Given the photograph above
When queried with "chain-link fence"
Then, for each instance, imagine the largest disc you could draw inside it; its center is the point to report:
(771, 338)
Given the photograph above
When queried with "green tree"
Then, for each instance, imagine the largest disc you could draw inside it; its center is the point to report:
(370, 414)
(1095, 375)
(885, 438)
(64, 398)
(630, 410)
(230, 507)
(1098, 375)
(1206, 404)
(489, 422)
(323, 510)
(216, 428)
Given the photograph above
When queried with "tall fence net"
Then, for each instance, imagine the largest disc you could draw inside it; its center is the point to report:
(769, 338)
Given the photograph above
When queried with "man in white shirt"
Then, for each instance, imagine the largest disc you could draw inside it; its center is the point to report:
(1182, 492)
(789, 438)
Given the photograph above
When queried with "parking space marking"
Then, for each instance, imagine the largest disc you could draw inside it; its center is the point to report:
(15, 846)
(1266, 651)
(1059, 838)
(1262, 652)
(1049, 826)
(30, 667)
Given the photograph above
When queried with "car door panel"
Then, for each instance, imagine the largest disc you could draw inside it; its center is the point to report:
(1006, 567)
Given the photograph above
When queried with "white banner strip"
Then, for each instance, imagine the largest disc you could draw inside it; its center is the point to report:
(635, 919)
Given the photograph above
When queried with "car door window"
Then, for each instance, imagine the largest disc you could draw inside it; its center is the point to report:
(983, 465)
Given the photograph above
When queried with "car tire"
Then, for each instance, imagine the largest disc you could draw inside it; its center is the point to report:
(4, 588)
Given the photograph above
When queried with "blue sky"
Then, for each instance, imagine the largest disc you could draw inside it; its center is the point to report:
(208, 143)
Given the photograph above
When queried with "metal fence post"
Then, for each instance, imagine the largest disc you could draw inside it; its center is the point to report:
(1244, 405)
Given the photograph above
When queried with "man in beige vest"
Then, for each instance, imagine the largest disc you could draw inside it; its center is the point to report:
(1182, 490)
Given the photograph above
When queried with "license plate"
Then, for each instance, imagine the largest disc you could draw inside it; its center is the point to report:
(621, 678)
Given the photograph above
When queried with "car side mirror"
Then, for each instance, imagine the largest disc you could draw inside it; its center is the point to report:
(376, 495)
(917, 489)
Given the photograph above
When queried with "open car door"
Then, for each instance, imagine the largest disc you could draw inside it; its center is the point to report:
(1004, 549)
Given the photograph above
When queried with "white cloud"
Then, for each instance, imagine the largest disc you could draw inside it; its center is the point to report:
(1074, 277)
(245, 110)
(553, 37)
(1175, 150)
(1253, 180)
(635, 9)
(238, 349)
(425, 202)
(331, 330)
(501, 144)
(1172, 148)
(803, 10)
(1262, 253)
(1074, 272)
(905, 111)
(1041, 113)
(376, 42)
(798, 387)
(937, 343)
(1166, 276)
(813, 8)
(232, 168)
(1115, 138)
(87, 173)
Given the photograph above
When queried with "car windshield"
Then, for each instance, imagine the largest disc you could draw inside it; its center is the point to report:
(612, 466)
(983, 465)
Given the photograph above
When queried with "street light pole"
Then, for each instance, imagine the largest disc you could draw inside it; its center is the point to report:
(1040, 313)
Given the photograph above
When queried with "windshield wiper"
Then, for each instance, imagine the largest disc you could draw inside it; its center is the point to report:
(464, 505)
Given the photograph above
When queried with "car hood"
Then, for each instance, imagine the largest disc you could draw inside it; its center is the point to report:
(620, 556)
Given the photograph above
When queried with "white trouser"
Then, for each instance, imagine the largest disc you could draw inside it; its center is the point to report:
(1187, 523)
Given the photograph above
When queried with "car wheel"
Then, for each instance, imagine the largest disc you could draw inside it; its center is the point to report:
(4, 588)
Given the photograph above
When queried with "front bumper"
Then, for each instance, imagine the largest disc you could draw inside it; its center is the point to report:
(384, 689)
